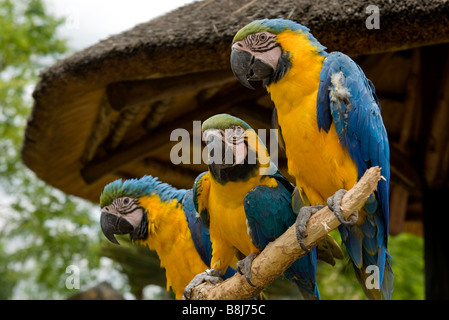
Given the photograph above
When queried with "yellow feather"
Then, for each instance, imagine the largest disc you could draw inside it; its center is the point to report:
(315, 158)
(169, 235)
(203, 186)
(228, 228)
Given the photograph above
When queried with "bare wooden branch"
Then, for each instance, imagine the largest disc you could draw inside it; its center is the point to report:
(280, 254)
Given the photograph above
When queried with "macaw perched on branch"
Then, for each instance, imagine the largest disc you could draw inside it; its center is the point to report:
(332, 130)
(245, 202)
(163, 218)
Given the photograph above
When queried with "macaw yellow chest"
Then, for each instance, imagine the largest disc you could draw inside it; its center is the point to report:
(169, 235)
(316, 158)
(228, 218)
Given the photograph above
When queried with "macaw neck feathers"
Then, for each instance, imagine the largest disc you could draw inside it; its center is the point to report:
(283, 66)
(301, 81)
(237, 173)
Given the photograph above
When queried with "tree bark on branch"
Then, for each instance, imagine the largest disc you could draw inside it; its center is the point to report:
(281, 253)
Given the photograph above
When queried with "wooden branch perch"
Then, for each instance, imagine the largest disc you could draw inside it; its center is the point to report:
(280, 254)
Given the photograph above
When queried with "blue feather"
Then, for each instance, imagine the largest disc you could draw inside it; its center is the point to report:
(137, 188)
(269, 214)
(360, 128)
(369, 228)
(200, 234)
(370, 205)
(353, 243)
(303, 271)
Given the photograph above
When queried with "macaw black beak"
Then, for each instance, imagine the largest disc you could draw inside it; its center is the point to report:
(216, 148)
(240, 65)
(112, 224)
(247, 68)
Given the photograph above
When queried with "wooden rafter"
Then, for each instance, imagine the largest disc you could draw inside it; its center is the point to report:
(149, 144)
(437, 153)
(130, 93)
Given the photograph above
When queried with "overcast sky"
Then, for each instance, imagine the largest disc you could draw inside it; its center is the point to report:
(89, 21)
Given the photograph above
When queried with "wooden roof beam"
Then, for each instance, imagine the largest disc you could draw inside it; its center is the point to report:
(149, 144)
(126, 94)
(404, 171)
(437, 149)
(129, 97)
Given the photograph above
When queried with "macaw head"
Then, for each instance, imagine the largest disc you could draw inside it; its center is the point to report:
(234, 149)
(260, 54)
(120, 209)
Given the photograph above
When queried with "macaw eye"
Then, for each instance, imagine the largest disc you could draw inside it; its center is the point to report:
(262, 37)
(234, 134)
(126, 200)
(238, 130)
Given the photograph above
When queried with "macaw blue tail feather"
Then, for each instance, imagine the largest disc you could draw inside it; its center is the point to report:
(376, 282)
(303, 273)
(387, 283)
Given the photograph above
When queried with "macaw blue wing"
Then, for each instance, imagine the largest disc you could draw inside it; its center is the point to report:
(200, 234)
(347, 98)
(269, 214)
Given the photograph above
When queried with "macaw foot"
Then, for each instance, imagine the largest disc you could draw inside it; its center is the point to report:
(210, 275)
(334, 202)
(301, 223)
(245, 264)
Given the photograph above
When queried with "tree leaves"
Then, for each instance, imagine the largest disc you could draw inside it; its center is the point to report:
(42, 230)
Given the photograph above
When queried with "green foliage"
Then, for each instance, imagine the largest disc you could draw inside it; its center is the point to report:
(28, 34)
(42, 230)
(407, 251)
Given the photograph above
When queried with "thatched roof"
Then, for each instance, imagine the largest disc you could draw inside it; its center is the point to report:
(107, 112)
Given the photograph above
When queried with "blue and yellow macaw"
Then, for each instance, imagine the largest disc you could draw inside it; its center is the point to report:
(332, 130)
(245, 201)
(163, 218)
